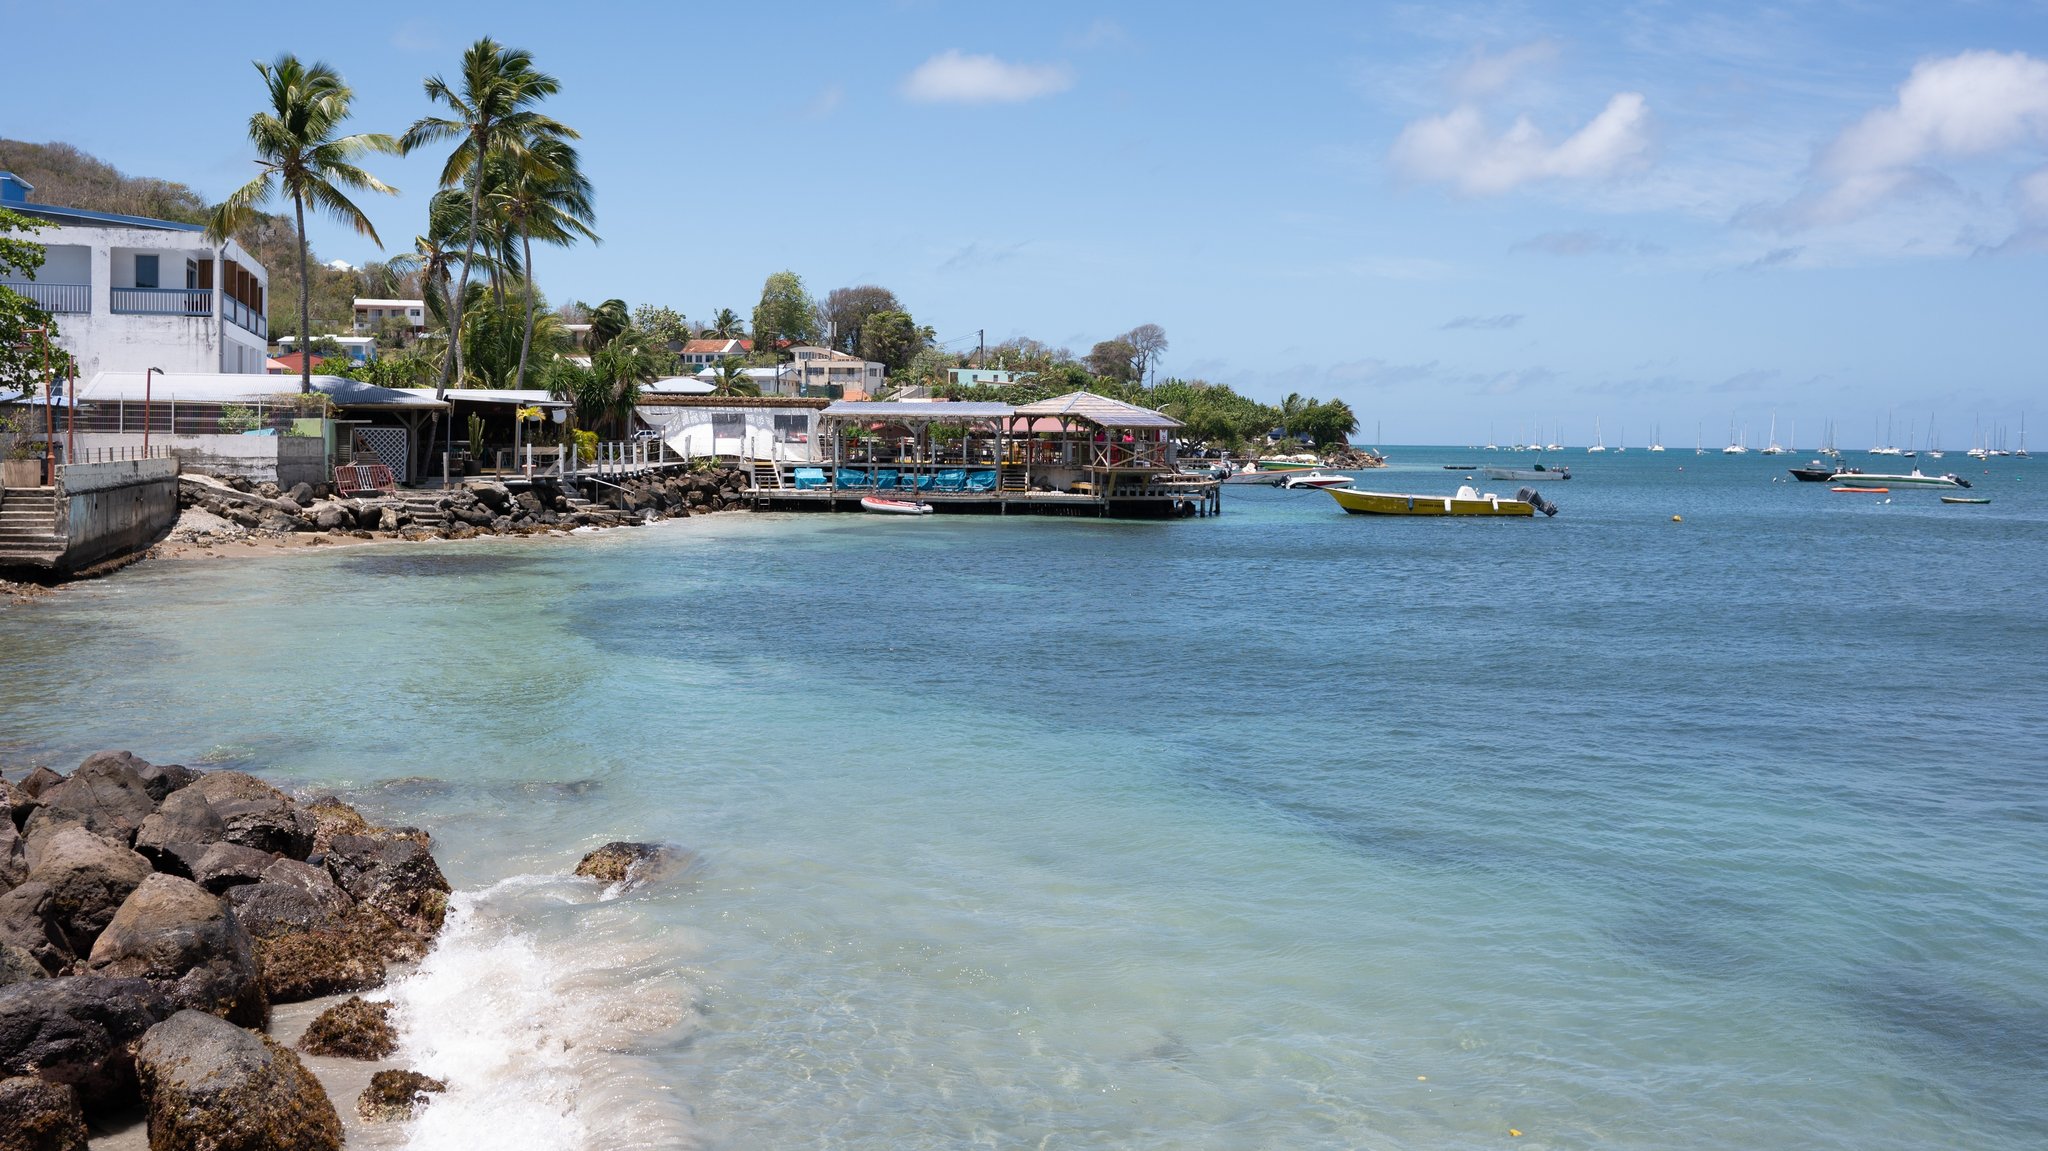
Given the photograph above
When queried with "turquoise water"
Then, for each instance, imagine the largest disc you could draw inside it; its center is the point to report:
(1283, 829)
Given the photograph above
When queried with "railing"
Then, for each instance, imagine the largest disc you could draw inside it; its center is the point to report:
(625, 457)
(125, 452)
(59, 298)
(163, 301)
(245, 317)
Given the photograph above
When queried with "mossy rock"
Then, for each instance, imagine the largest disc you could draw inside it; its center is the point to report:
(395, 1096)
(355, 1028)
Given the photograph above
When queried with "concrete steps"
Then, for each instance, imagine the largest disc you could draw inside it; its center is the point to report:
(422, 506)
(28, 526)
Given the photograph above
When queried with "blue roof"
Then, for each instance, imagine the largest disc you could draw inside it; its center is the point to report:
(61, 214)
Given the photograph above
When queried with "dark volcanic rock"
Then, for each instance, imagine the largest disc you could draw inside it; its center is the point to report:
(394, 874)
(15, 804)
(292, 897)
(106, 796)
(332, 817)
(634, 863)
(88, 877)
(175, 836)
(395, 1096)
(18, 966)
(39, 1116)
(28, 925)
(79, 1031)
(257, 814)
(187, 944)
(36, 782)
(226, 865)
(159, 779)
(351, 957)
(212, 1086)
(13, 857)
(355, 1028)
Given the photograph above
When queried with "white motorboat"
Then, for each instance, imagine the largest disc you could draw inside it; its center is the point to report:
(889, 507)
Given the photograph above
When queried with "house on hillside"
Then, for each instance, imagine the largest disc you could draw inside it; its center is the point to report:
(823, 372)
(707, 352)
(354, 349)
(132, 293)
(372, 314)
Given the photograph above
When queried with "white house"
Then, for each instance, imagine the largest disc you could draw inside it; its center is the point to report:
(371, 314)
(816, 371)
(131, 293)
(710, 350)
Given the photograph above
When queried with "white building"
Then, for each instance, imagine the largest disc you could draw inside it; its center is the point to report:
(816, 371)
(705, 352)
(371, 314)
(131, 293)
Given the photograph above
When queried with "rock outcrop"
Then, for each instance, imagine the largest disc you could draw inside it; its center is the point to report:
(212, 1086)
(88, 877)
(355, 1028)
(79, 1031)
(633, 864)
(395, 1096)
(40, 1116)
(187, 943)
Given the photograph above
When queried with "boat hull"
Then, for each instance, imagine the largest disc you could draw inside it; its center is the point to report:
(889, 507)
(1286, 466)
(1910, 480)
(1524, 474)
(1402, 504)
(1966, 499)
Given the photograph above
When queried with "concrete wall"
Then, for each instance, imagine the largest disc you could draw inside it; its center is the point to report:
(105, 511)
(286, 460)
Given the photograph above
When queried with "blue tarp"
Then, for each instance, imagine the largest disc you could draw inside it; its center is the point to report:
(924, 482)
(854, 478)
(981, 481)
(807, 478)
(952, 480)
(885, 477)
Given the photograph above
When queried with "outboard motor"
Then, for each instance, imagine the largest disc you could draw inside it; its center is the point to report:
(1535, 499)
(1960, 481)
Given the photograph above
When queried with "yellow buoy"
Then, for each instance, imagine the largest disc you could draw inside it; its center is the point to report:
(1515, 1133)
(1678, 519)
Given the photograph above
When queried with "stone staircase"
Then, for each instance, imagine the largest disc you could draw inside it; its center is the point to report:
(28, 527)
(421, 506)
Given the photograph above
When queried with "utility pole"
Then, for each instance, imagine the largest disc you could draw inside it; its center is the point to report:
(981, 359)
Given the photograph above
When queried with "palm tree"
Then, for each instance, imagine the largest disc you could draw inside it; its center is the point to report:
(727, 325)
(493, 113)
(549, 201)
(609, 321)
(620, 366)
(732, 379)
(298, 150)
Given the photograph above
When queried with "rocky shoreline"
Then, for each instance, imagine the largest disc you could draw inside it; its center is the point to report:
(236, 509)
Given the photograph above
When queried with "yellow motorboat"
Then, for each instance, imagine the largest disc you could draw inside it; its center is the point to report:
(1467, 502)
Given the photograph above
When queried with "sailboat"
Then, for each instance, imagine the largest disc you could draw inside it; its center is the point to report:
(1775, 449)
(2021, 452)
(1621, 442)
(1656, 439)
(1599, 445)
(1734, 447)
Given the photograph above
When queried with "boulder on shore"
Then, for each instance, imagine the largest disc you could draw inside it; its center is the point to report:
(187, 944)
(352, 956)
(211, 1086)
(396, 1096)
(257, 815)
(395, 874)
(179, 830)
(79, 1031)
(18, 966)
(634, 863)
(355, 1028)
(107, 796)
(88, 878)
(28, 925)
(40, 1116)
(289, 897)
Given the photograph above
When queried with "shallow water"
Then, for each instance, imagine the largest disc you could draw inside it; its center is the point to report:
(1281, 829)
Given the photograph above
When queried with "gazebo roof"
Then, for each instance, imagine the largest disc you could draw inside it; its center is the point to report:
(1099, 410)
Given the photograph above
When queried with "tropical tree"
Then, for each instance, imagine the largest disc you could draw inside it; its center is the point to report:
(731, 379)
(727, 325)
(620, 368)
(26, 331)
(848, 309)
(1115, 360)
(493, 113)
(891, 338)
(1149, 340)
(609, 321)
(786, 312)
(547, 199)
(299, 151)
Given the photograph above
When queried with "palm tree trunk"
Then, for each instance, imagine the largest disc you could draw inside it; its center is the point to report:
(526, 337)
(476, 185)
(305, 302)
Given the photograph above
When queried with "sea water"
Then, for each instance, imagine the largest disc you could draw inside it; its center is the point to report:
(1281, 829)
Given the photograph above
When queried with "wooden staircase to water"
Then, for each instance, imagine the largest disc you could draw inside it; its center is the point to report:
(767, 476)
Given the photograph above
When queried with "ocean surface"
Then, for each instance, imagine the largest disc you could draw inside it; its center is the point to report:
(1282, 829)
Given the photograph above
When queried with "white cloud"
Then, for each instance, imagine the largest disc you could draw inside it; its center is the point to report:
(952, 77)
(2033, 193)
(1486, 74)
(1458, 149)
(1972, 104)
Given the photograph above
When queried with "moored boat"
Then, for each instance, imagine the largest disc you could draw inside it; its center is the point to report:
(1966, 499)
(1467, 502)
(1913, 479)
(887, 506)
(1317, 480)
(1294, 463)
(1539, 472)
(1870, 491)
(1820, 471)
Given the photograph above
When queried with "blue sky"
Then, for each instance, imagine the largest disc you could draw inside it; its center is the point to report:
(1456, 217)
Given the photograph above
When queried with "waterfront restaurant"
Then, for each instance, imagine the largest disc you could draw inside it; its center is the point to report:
(1078, 453)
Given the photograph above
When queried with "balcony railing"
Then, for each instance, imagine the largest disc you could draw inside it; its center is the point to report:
(57, 298)
(245, 317)
(163, 301)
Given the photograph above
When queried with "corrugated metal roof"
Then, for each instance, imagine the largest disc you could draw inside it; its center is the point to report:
(235, 388)
(525, 397)
(906, 412)
(1099, 410)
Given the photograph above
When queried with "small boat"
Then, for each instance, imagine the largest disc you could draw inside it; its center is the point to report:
(890, 507)
(1913, 479)
(1539, 472)
(1820, 471)
(1295, 463)
(1459, 467)
(1877, 491)
(1466, 502)
(1316, 480)
(1966, 499)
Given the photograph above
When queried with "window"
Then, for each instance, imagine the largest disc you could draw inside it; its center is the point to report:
(146, 271)
(191, 273)
(728, 425)
(792, 428)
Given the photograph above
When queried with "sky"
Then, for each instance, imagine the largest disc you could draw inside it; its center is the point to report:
(1468, 221)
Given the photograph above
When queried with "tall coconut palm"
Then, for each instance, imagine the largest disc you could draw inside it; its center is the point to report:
(547, 201)
(731, 379)
(620, 367)
(298, 150)
(492, 113)
(727, 325)
(609, 321)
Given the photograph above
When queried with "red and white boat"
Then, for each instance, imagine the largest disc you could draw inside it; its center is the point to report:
(890, 507)
(1317, 480)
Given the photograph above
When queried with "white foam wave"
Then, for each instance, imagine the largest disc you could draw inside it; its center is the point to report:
(541, 1009)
